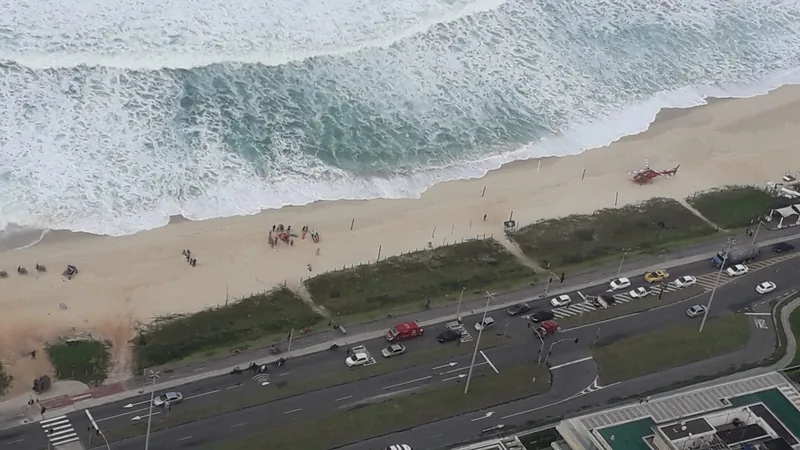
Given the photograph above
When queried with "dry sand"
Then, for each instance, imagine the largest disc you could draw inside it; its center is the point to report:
(134, 278)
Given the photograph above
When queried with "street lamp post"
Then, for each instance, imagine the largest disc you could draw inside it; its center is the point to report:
(458, 308)
(153, 376)
(547, 286)
(716, 283)
(619, 270)
(541, 350)
(97, 428)
(489, 298)
(755, 235)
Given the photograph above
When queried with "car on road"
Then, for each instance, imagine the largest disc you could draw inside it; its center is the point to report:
(619, 283)
(598, 302)
(696, 310)
(448, 336)
(639, 292)
(561, 301)
(737, 270)
(542, 315)
(399, 447)
(357, 359)
(656, 277)
(766, 287)
(685, 281)
(782, 247)
(168, 398)
(487, 322)
(393, 350)
(519, 308)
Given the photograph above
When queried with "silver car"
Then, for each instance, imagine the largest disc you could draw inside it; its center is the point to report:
(696, 310)
(169, 397)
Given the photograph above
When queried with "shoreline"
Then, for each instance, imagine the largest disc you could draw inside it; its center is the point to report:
(132, 279)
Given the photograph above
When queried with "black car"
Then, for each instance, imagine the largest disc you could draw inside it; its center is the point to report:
(542, 316)
(519, 308)
(783, 247)
(448, 336)
(609, 299)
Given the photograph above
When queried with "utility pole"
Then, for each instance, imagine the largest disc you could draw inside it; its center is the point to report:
(291, 335)
(489, 298)
(731, 241)
(458, 308)
(541, 349)
(97, 428)
(755, 235)
(153, 376)
(547, 286)
(619, 270)
(596, 338)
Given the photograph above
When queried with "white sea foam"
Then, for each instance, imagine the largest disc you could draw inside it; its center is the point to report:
(112, 151)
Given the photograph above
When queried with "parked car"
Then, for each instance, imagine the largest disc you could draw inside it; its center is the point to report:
(542, 315)
(448, 336)
(696, 310)
(737, 270)
(685, 281)
(608, 298)
(598, 302)
(639, 292)
(656, 277)
(766, 287)
(169, 397)
(484, 324)
(561, 301)
(519, 308)
(782, 247)
(393, 350)
(357, 359)
(619, 283)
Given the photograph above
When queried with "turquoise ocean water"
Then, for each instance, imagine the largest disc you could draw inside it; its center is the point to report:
(116, 115)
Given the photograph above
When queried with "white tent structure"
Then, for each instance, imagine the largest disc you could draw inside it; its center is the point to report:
(786, 214)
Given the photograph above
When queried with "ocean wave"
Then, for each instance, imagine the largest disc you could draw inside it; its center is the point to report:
(107, 150)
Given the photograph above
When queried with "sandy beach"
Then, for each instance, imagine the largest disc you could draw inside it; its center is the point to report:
(134, 278)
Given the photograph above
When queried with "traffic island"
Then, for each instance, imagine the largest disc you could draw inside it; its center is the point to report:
(359, 423)
(676, 346)
(417, 280)
(235, 401)
(634, 306)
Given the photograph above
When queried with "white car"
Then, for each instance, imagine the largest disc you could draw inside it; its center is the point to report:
(766, 287)
(696, 310)
(484, 324)
(393, 350)
(358, 359)
(619, 283)
(685, 281)
(561, 300)
(639, 292)
(170, 398)
(737, 270)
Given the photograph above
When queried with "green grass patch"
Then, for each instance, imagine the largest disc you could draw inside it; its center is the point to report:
(5, 380)
(363, 422)
(581, 238)
(234, 402)
(540, 440)
(676, 346)
(735, 206)
(634, 306)
(87, 361)
(250, 319)
(412, 279)
(794, 322)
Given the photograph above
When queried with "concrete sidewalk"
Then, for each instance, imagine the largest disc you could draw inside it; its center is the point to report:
(322, 341)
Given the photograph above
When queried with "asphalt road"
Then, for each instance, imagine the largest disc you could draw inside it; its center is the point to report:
(733, 296)
(574, 384)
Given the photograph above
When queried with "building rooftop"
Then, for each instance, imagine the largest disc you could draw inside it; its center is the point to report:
(768, 399)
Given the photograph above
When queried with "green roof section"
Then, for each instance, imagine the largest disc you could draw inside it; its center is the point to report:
(778, 404)
(630, 435)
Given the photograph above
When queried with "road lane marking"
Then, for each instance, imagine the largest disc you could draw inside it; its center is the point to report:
(436, 436)
(284, 374)
(127, 413)
(185, 438)
(408, 382)
(488, 361)
(238, 424)
(577, 361)
(293, 411)
(14, 442)
(462, 368)
(457, 377)
(446, 365)
(131, 405)
(203, 394)
(234, 386)
(197, 369)
(757, 314)
(343, 398)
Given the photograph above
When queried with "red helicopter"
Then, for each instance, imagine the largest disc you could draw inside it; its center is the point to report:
(647, 175)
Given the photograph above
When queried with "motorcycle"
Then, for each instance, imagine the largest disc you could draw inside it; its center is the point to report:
(281, 362)
(333, 347)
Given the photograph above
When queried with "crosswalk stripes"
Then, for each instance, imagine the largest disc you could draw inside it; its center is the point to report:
(59, 430)
(706, 281)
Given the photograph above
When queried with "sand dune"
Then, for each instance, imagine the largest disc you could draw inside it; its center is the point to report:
(141, 276)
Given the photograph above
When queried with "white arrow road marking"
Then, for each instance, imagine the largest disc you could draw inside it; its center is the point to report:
(446, 365)
(462, 368)
(485, 416)
(458, 377)
(134, 411)
(131, 405)
(409, 382)
(144, 416)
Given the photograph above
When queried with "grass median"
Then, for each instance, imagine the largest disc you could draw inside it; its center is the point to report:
(736, 206)
(676, 346)
(234, 402)
(363, 422)
(632, 307)
(406, 282)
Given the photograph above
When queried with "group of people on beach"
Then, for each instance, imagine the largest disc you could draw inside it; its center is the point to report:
(281, 233)
(70, 272)
(190, 258)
